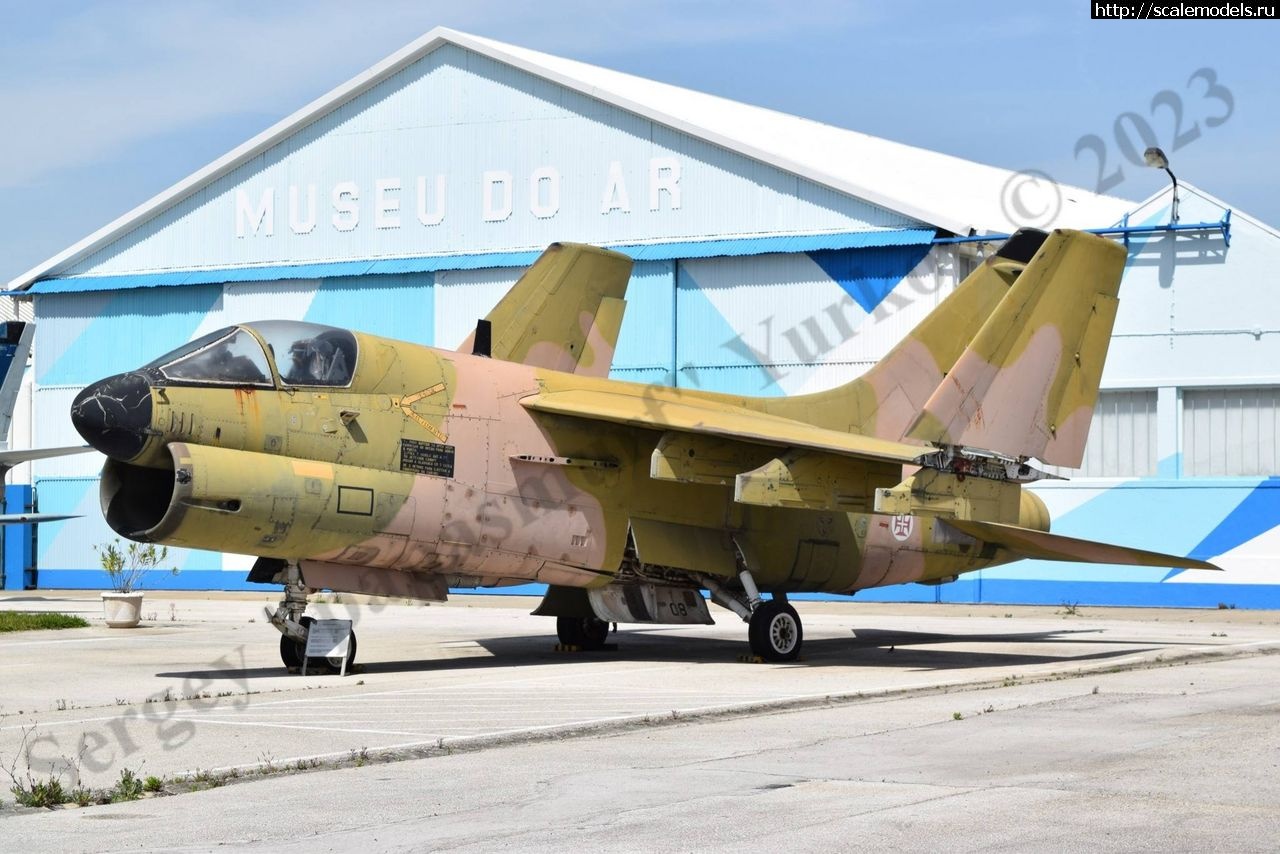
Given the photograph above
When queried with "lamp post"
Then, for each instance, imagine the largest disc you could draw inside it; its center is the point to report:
(1157, 158)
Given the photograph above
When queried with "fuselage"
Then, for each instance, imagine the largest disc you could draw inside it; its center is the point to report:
(316, 444)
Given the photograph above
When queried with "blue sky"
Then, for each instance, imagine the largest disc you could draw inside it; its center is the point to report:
(108, 103)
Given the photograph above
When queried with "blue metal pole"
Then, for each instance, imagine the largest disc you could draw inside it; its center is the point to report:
(1223, 225)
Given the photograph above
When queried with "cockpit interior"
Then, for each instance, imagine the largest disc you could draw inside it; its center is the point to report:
(303, 354)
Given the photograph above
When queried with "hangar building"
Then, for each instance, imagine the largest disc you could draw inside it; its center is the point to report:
(775, 255)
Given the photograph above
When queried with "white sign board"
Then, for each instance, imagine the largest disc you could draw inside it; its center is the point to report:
(328, 639)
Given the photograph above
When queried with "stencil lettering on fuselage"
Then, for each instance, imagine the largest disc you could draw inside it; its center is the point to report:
(429, 458)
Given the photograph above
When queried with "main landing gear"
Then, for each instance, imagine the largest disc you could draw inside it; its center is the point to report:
(773, 626)
(293, 626)
(588, 633)
(775, 631)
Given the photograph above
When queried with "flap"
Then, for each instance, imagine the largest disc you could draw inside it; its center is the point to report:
(708, 550)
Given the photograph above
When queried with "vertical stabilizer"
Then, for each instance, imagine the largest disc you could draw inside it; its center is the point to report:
(886, 400)
(1027, 384)
(564, 313)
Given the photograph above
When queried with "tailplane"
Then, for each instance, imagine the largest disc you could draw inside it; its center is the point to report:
(1030, 543)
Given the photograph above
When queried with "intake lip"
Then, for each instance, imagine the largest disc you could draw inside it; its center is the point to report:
(113, 415)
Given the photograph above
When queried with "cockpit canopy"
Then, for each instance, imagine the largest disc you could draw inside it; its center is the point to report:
(304, 354)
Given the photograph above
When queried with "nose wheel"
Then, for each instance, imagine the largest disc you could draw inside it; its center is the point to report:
(293, 651)
(295, 627)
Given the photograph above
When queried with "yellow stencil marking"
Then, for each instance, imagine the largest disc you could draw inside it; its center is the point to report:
(406, 406)
(419, 395)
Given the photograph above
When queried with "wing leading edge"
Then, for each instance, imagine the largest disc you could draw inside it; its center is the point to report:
(666, 410)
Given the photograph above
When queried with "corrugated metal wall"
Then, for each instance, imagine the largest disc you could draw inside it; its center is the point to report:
(1231, 432)
(646, 347)
(785, 324)
(464, 296)
(574, 168)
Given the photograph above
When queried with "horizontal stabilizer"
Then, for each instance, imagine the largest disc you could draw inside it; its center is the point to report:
(1029, 543)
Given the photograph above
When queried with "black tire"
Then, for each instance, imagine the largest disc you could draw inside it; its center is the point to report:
(775, 631)
(582, 632)
(292, 652)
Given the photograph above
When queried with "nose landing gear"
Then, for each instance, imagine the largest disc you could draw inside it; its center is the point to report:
(294, 627)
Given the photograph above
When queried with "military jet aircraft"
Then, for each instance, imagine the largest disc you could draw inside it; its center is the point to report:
(350, 462)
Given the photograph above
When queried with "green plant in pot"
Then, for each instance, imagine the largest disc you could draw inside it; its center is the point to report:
(127, 565)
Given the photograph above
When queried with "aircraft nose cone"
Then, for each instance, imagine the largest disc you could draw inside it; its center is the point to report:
(113, 415)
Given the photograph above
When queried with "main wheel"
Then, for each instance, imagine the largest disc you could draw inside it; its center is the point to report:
(582, 632)
(775, 631)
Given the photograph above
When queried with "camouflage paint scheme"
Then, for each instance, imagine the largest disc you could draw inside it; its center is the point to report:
(538, 468)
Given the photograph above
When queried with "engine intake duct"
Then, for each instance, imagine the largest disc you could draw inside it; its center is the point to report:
(264, 504)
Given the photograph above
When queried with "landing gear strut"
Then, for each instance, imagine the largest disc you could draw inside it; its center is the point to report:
(293, 626)
(773, 626)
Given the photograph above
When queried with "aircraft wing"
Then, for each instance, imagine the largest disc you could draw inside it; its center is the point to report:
(565, 313)
(667, 410)
(1029, 543)
(9, 459)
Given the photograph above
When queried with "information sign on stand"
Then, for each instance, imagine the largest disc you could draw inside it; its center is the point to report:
(329, 639)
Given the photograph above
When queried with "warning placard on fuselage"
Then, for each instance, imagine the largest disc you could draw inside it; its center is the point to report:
(426, 458)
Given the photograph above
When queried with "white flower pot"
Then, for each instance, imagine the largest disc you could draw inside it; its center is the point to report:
(122, 610)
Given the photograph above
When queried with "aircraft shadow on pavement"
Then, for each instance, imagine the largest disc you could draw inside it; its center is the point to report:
(866, 648)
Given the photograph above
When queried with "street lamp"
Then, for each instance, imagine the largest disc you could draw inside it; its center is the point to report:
(1155, 157)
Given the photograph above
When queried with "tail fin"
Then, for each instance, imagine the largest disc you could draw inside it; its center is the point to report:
(1027, 384)
(886, 400)
(565, 313)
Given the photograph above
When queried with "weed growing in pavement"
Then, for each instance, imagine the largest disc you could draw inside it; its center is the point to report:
(128, 788)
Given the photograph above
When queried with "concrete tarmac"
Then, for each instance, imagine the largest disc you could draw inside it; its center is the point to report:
(917, 727)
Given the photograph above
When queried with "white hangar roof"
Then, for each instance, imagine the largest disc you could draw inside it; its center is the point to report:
(950, 193)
